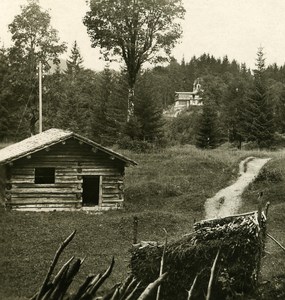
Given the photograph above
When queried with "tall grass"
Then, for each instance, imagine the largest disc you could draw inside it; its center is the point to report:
(272, 184)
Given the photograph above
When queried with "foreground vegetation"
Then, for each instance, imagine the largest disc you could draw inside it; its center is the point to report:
(166, 190)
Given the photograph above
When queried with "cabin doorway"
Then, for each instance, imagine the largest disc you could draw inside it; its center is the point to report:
(91, 190)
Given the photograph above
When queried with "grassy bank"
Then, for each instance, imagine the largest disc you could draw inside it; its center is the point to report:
(271, 183)
(166, 190)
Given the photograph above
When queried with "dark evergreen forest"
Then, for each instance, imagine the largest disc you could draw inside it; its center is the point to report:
(94, 104)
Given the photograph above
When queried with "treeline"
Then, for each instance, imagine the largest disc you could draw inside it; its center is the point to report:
(239, 105)
(95, 103)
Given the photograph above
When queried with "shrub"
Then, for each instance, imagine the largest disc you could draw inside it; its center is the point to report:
(140, 146)
(265, 174)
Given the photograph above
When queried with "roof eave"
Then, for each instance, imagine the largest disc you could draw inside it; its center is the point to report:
(77, 136)
(11, 160)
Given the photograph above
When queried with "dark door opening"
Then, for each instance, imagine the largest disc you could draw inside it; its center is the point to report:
(91, 190)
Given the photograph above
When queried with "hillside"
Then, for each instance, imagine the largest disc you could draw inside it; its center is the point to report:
(166, 190)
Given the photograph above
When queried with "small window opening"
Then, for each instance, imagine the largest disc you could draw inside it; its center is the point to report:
(44, 175)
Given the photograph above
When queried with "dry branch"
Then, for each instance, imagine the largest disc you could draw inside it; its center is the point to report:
(212, 276)
(190, 292)
(162, 263)
(52, 266)
(151, 287)
(278, 243)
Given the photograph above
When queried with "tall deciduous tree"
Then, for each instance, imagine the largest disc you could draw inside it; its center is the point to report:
(33, 37)
(138, 31)
(34, 40)
(4, 93)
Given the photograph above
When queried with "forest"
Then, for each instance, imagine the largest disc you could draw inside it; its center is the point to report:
(240, 106)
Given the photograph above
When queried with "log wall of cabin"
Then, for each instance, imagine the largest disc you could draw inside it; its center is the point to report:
(72, 160)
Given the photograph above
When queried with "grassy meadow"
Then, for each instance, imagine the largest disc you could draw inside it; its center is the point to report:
(167, 190)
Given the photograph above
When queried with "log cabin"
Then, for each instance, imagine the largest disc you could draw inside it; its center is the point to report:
(61, 170)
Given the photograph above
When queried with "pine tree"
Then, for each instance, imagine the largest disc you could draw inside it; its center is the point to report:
(117, 108)
(208, 134)
(110, 109)
(75, 61)
(234, 104)
(147, 122)
(259, 123)
(99, 124)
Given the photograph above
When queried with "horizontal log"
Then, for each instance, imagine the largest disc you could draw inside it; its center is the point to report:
(58, 179)
(67, 179)
(47, 163)
(71, 151)
(23, 180)
(23, 171)
(67, 161)
(51, 206)
(44, 190)
(112, 181)
(110, 186)
(80, 171)
(109, 192)
(113, 201)
(23, 176)
(45, 195)
(63, 168)
(109, 195)
(110, 205)
(69, 184)
(99, 172)
(24, 201)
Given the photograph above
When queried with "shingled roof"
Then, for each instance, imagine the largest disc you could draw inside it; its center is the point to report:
(46, 139)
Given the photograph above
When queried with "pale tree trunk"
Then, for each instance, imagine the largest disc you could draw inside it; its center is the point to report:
(131, 95)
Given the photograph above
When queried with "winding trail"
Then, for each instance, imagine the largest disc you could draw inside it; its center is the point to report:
(228, 200)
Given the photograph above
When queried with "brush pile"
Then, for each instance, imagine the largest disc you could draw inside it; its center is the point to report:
(238, 239)
(55, 287)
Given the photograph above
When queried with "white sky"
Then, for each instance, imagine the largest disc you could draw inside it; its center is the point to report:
(220, 27)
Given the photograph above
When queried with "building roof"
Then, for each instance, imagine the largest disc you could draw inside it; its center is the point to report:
(46, 139)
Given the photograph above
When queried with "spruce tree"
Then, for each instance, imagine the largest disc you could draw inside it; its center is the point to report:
(99, 124)
(75, 61)
(233, 107)
(147, 122)
(259, 123)
(110, 108)
(207, 133)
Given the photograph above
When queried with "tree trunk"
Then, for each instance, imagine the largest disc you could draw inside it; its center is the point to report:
(131, 95)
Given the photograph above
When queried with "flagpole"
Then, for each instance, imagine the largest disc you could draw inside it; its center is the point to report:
(40, 99)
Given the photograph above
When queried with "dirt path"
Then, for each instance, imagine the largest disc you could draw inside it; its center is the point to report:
(228, 200)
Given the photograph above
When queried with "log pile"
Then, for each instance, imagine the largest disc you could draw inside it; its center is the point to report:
(238, 239)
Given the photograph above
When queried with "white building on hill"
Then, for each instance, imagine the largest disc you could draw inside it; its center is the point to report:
(184, 100)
